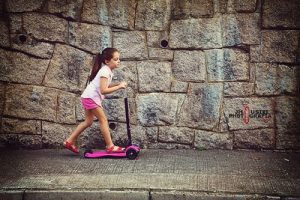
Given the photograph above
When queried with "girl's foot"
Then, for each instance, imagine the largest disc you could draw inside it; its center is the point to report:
(115, 149)
(71, 147)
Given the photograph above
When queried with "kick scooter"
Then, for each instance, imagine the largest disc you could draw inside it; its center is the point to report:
(131, 150)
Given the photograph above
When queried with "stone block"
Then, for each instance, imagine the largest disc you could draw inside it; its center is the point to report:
(298, 52)
(4, 34)
(91, 138)
(236, 6)
(273, 79)
(143, 136)
(119, 134)
(153, 15)
(154, 38)
(9, 141)
(69, 69)
(154, 76)
(213, 140)
(231, 31)
(12, 68)
(288, 138)
(2, 97)
(266, 82)
(139, 135)
(278, 46)
(30, 141)
(17, 141)
(252, 69)
(53, 135)
(287, 112)
(66, 108)
(241, 29)
(245, 6)
(23, 5)
(180, 135)
(46, 27)
(90, 11)
(249, 113)
(204, 33)
(279, 14)
(158, 108)
(127, 71)
(192, 9)
(30, 102)
(161, 54)
(201, 108)
(69, 9)
(16, 126)
(16, 23)
(189, 66)
(223, 125)
(255, 139)
(119, 14)
(151, 135)
(132, 110)
(238, 89)
(131, 44)
(114, 109)
(90, 37)
(289, 77)
(31, 45)
(227, 65)
(224, 6)
(79, 109)
(255, 51)
(178, 86)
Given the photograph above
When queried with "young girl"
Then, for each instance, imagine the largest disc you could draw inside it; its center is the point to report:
(93, 95)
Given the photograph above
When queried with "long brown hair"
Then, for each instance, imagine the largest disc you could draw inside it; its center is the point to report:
(107, 54)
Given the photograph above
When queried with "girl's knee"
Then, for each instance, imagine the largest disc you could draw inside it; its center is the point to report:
(103, 120)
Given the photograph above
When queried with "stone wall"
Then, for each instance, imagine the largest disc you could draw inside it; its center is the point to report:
(202, 73)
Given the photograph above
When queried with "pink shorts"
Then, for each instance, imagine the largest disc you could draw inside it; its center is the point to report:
(89, 104)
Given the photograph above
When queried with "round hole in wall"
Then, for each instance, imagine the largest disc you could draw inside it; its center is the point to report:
(112, 125)
(164, 43)
(22, 38)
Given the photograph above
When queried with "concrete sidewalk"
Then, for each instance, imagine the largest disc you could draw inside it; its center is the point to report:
(156, 174)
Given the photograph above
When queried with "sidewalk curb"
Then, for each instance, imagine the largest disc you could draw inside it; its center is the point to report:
(130, 195)
(157, 175)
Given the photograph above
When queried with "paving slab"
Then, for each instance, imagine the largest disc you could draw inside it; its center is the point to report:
(156, 174)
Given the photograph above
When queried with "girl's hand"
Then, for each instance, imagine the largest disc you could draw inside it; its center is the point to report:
(123, 85)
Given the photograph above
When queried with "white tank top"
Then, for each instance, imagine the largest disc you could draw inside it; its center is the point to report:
(93, 89)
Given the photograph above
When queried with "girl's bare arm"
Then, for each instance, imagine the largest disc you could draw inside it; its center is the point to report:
(106, 89)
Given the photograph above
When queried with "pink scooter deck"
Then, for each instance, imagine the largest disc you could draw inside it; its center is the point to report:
(131, 152)
(104, 154)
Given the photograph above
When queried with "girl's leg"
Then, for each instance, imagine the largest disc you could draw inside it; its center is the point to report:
(104, 128)
(89, 117)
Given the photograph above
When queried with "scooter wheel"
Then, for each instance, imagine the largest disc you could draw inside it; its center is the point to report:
(131, 154)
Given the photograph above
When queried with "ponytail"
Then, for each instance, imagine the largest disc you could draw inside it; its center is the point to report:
(96, 67)
(107, 54)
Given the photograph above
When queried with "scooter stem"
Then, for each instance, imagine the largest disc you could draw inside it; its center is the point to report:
(128, 122)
